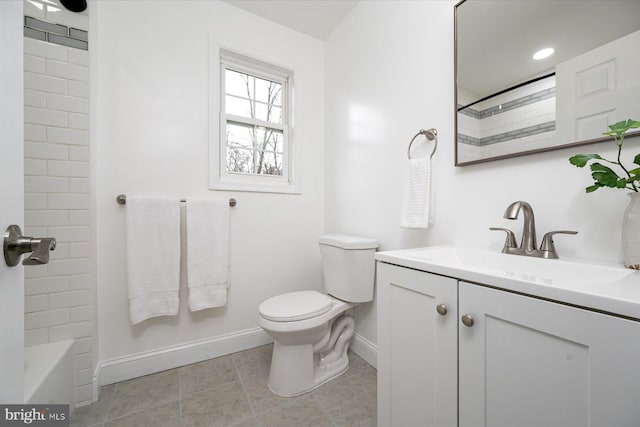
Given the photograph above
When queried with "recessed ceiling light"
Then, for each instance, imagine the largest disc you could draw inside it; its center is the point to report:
(543, 53)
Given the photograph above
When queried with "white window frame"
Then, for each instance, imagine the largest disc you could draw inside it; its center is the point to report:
(222, 59)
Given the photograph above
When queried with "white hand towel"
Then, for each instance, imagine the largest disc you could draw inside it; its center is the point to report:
(416, 201)
(207, 253)
(153, 257)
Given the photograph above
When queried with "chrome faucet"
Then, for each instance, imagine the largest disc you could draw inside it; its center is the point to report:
(528, 245)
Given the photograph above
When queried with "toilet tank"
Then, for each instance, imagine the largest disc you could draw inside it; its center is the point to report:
(349, 266)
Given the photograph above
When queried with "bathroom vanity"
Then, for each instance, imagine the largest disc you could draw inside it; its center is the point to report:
(468, 337)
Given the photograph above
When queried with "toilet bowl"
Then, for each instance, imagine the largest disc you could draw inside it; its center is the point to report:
(301, 345)
(311, 330)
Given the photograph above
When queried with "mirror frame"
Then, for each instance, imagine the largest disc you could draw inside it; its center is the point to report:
(511, 155)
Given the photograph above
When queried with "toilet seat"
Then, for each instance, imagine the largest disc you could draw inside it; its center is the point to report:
(294, 306)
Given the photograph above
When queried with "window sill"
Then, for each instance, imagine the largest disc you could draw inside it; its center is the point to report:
(255, 188)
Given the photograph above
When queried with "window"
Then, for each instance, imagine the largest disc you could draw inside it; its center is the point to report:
(255, 147)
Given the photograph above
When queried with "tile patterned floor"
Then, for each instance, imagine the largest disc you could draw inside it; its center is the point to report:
(232, 391)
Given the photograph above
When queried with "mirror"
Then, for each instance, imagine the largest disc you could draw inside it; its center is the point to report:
(508, 104)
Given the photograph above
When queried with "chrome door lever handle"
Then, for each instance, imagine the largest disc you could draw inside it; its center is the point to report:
(15, 244)
(40, 254)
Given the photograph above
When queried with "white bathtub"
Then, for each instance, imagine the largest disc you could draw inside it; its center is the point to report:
(48, 373)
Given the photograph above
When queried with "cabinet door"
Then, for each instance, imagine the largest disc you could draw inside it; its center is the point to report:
(530, 362)
(417, 348)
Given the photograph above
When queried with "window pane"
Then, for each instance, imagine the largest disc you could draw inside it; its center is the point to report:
(254, 150)
(239, 84)
(269, 139)
(269, 163)
(277, 97)
(239, 135)
(238, 106)
(250, 96)
(239, 160)
(268, 113)
(268, 92)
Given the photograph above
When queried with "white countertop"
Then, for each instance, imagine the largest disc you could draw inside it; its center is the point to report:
(605, 287)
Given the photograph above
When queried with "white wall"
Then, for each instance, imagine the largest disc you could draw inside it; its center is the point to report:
(152, 138)
(389, 73)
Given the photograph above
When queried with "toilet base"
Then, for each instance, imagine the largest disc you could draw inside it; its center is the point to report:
(295, 370)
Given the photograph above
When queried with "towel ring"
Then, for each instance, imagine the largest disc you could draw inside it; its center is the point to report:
(431, 134)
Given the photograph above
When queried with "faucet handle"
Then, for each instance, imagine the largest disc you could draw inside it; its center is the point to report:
(510, 241)
(547, 247)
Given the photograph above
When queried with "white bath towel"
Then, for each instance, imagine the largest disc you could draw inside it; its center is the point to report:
(207, 253)
(153, 256)
(416, 201)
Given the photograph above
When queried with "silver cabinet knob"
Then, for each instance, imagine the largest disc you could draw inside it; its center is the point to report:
(15, 244)
(441, 309)
(467, 320)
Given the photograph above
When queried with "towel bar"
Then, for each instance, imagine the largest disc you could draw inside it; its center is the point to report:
(431, 134)
(121, 199)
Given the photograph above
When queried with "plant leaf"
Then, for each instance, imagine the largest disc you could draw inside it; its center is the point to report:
(606, 176)
(621, 127)
(580, 160)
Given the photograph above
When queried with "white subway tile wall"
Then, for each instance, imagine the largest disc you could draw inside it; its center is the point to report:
(527, 125)
(58, 296)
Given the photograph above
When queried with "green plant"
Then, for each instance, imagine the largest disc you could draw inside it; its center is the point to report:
(604, 176)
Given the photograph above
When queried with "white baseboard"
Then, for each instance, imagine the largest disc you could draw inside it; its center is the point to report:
(365, 349)
(150, 362)
(140, 364)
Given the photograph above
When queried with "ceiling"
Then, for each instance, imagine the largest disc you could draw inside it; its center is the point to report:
(496, 38)
(502, 33)
(316, 18)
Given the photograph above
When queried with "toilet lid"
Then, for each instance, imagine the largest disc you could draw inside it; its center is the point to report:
(295, 306)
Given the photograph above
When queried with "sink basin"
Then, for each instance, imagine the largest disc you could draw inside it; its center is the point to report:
(523, 268)
(607, 288)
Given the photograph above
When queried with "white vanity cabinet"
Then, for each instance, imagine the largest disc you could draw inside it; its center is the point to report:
(499, 358)
(531, 362)
(417, 348)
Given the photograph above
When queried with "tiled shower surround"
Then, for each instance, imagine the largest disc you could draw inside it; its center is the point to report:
(58, 296)
(55, 33)
(523, 118)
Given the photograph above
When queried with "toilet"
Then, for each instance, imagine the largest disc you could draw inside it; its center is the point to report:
(311, 330)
